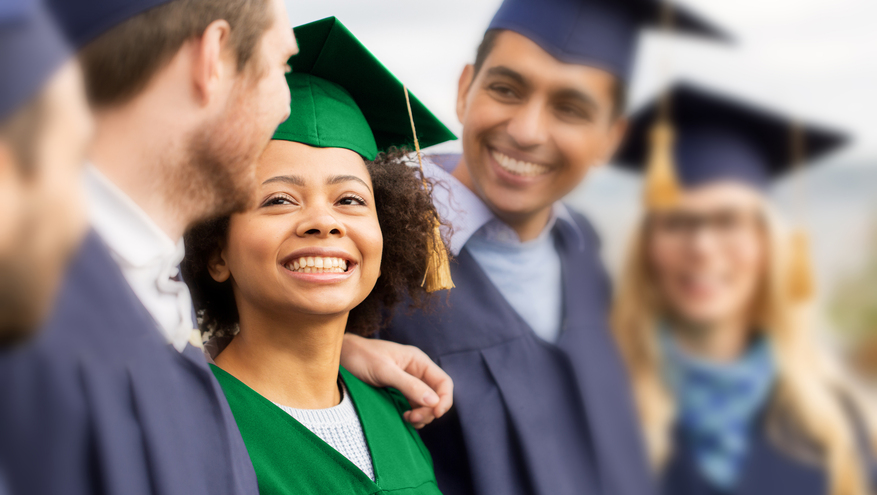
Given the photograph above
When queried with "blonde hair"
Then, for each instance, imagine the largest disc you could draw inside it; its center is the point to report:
(809, 385)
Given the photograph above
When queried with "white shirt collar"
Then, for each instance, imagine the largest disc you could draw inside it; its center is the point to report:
(149, 259)
(458, 206)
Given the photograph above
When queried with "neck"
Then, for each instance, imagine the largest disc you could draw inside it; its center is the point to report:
(293, 364)
(721, 342)
(528, 225)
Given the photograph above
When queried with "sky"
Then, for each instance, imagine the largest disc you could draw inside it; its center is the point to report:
(816, 59)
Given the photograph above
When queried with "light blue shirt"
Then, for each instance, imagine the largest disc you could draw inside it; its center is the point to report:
(529, 275)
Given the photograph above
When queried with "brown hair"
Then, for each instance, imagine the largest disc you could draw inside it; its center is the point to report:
(405, 213)
(121, 62)
(619, 90)
(22, 131)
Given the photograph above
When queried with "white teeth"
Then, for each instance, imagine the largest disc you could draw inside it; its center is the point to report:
(317, 264)
(525, 169)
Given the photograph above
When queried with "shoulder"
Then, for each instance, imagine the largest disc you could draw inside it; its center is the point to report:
(96, 311)
(367, 396)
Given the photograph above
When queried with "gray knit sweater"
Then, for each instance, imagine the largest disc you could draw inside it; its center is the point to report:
(340, 427)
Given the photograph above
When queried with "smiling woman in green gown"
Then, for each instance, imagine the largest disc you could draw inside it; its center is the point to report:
(338, 233)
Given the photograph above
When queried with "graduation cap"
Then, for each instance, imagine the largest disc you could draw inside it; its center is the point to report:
(85, 20)
(343, 97)
(598, 33)
(31, 50)
(719, 138)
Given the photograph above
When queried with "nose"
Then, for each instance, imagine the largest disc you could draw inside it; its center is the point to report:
(528, 127)
(287, 102)
(320, 223)
(703, 242)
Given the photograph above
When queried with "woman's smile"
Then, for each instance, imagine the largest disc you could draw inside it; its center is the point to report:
(319, 265)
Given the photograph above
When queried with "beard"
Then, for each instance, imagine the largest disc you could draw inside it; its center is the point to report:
(220, 173)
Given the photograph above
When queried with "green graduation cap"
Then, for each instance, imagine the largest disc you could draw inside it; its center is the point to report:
(343, 97)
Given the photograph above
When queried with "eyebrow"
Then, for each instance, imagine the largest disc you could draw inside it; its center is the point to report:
(574, 94)
(296, 180)
(503, 71)
(338, 179)
(288, 179)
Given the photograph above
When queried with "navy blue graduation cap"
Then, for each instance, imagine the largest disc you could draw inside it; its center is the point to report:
(85, 20)
(31, 50)
(598, 33)
(692, 137)
(718, 138)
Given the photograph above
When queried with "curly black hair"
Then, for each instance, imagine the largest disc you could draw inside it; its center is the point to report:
(406, 215)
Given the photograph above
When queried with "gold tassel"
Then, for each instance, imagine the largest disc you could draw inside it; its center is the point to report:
(661, 185)
(801, 281)
(438, 266)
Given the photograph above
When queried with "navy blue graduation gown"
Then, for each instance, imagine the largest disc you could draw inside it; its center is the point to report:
(99, 403)
(767, 470)
(530, 417)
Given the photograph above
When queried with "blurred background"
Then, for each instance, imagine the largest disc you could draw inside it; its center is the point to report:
(816, 57)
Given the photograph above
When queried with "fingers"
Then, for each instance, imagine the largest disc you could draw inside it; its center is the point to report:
(419, 417)
(379, 363)
(418, 393)
(422, 367)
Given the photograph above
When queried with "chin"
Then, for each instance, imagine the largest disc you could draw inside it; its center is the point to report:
(704, 317)
(505, 199)
(322, 305)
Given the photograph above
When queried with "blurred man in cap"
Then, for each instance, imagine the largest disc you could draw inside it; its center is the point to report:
(113, 398)
(44, 129)
(543, 405)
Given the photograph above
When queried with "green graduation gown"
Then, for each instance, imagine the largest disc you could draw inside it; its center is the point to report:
(290, 459)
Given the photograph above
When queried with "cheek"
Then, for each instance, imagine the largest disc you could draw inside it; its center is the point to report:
(664, 261)
(269, 101)
(483, 113)
(367, 236)
(580, 147)
(59, 199)
(278, 97)
(12, 206)
(749, 262)
(251, 248)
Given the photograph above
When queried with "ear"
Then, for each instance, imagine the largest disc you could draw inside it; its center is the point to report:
(463, 90)
(218, 266)
(209, 66)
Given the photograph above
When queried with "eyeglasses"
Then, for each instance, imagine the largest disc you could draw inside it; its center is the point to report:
(727, 226)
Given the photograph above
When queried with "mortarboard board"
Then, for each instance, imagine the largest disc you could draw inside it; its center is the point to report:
(598, 33)
(343, 97)
(718, 137)
(85, 20)
(31, 50)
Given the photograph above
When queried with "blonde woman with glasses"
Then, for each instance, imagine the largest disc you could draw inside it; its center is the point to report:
(734, 393)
